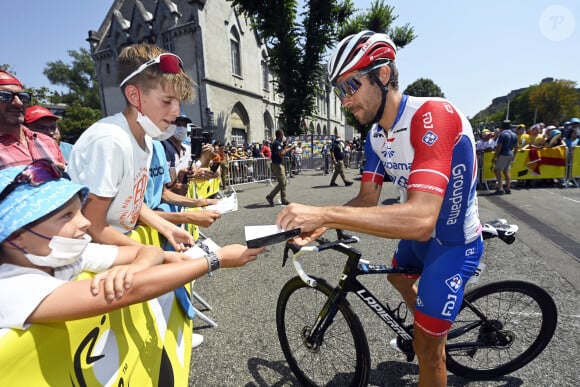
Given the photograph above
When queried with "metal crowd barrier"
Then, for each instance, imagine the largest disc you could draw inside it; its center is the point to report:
(244, 171)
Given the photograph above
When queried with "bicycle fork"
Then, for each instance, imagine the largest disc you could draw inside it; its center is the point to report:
(314, 336)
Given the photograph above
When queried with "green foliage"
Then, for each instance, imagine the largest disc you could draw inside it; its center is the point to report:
(423, 87)
(295, 51)
(555, 101)
(378, 18)
(547, 102)
(78, 77)
(77, 119)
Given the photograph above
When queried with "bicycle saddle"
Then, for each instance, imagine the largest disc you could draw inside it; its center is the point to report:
(501, 229)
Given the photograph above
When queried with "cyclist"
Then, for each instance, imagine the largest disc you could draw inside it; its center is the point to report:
(427, 148)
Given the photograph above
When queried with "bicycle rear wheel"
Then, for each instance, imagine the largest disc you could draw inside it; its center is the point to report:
(521, 320)
(340, 357)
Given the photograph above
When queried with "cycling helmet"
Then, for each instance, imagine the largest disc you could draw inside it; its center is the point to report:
(359, 51)
(574, 120)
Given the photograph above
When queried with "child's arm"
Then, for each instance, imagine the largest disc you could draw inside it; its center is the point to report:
(74, 300)
(130, 260)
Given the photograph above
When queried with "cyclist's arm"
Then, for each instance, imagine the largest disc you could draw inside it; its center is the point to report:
(414, 219)
(368, 195)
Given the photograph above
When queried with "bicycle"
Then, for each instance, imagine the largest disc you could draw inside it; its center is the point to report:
(501, 327)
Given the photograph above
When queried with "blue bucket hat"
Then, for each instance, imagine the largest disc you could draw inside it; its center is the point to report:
(27, 203)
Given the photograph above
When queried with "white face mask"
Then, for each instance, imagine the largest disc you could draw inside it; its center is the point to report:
(167, 134)
(64, 251)
(153, 130)
(180, 133)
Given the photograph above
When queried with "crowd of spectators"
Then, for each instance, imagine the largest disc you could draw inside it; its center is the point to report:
(537, 136)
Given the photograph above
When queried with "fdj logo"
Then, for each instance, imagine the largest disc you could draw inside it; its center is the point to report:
(454, 283)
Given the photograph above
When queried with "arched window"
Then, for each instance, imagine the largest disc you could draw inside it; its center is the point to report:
(265, 74)
(235, 52)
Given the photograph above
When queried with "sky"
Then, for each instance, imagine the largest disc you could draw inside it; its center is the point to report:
(473, 50)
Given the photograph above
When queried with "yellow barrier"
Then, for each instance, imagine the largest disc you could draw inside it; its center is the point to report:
(575, 172)
(147, 344)
(545, 163)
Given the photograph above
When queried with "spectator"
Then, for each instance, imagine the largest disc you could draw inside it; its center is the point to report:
(112, 156)
(337, 155)
(572, 141)
(18, 144)
(523, 137)
(298, 151)
(44, 244)
(554, 137)
(279, 150)
(486, 143)
(266, 149)
(41, 120)
(326, 149)
(504, 156)
(169, 205)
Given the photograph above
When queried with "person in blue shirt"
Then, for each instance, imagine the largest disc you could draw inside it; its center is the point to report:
(504, 157)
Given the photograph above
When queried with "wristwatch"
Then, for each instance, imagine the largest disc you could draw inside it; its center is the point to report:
(213, 262)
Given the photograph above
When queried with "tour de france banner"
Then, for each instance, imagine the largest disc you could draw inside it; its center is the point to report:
(544, 163)
(146, 344)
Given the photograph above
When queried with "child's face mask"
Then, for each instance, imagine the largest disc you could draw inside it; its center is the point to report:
(64, 251)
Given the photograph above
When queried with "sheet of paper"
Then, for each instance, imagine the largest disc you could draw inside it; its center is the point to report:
(255, 232)
(227, 204)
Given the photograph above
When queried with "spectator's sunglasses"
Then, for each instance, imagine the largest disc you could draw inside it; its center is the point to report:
(35, 174)
(168, 63)
(8, 96)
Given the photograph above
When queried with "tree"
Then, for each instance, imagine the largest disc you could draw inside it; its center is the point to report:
(378, 18)
(555, 101)
(296, 51)
(423, 87)
(78, 77)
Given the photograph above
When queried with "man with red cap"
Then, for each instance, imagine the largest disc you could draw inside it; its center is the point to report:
(41, 120)
(18, 144)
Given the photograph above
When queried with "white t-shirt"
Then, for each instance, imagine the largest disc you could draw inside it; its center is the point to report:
(22, 289)
(107, 159)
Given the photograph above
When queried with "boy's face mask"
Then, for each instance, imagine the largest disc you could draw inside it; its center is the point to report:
(153, 130)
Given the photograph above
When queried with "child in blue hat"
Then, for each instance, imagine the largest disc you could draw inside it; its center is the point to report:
(44, 245)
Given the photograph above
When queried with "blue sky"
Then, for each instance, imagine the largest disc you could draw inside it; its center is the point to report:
(474, 50)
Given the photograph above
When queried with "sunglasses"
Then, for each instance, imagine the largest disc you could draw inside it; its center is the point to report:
(35, 174)
(348, 87)
(8, 96)
(168, 64)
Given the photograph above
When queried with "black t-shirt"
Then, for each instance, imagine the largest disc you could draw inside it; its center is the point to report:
(276, 148)
(337, 149)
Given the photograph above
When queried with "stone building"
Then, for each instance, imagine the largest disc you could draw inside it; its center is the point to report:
(220, 51)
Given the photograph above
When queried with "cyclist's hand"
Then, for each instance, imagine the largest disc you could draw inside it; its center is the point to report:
(307, 237)
(294, 215)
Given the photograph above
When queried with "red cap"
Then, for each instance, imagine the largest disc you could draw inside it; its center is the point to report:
(34, 113)
(12, 80)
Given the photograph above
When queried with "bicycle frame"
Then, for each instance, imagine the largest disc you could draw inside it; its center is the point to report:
(349, 283)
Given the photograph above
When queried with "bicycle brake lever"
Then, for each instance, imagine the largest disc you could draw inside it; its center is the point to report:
(289, 246)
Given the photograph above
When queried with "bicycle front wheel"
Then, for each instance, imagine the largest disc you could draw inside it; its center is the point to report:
(339, 356)
(520, 320)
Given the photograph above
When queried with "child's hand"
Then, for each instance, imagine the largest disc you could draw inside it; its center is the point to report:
(116, 280)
